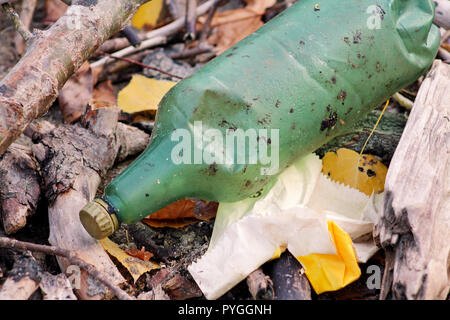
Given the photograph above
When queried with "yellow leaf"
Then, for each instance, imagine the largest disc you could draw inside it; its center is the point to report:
(330, 272)
(148, 14)
(143, 94)
(135, 266)
(365, 173)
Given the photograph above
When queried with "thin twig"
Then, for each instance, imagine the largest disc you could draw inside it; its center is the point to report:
(26, 16)
(189, 53)
(14, 16)
(207, 25)
(164, 32)
(73, 259)
(153, 42)
(142, 65)
(445, 36)
(191, 20)
(403, 101)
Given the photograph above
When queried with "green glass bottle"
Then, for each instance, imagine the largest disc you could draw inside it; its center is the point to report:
(278, 94)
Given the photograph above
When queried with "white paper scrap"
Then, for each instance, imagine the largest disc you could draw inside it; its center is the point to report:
(293, 214)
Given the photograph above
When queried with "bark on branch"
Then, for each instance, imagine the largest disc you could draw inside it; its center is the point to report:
(52, 57)
(19, 187)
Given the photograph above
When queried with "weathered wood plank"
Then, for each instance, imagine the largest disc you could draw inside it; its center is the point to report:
(414, 228)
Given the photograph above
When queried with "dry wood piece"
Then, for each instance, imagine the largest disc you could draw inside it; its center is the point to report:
(289, 282)
(23, 280)
(131, 140)
(414, 228)
(52, 57)
(19, 187)
(179, 287)
(171, 282)
(260, 285)
(73, 157)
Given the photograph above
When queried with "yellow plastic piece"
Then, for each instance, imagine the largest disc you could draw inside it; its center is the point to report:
(331, 272)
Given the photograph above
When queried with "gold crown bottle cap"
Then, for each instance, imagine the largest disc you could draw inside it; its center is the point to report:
(97, 221)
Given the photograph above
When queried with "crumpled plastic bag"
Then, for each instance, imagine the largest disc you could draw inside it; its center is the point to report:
(319, 221)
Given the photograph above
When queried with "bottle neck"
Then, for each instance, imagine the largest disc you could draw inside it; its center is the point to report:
(150, 183)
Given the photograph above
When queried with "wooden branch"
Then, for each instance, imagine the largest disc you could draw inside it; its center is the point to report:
(414, 227)
(19, 187)
(289, 282)
(71, 257)
(52, 57)
(73, 158)
(260, 285)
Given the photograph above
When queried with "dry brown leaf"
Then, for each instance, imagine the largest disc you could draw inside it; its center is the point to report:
(446, 46)
(232, 26)
(182, 212)
(104, 92)
(76, 93)
(140, 254)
